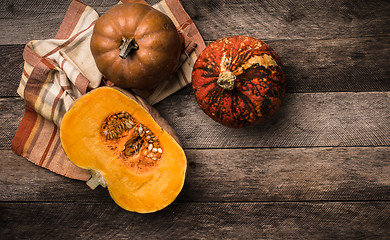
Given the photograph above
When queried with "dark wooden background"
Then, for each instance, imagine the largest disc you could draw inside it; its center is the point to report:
(318, 169)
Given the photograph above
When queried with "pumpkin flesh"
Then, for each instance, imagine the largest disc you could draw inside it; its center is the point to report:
(135, 182)
(238, 81)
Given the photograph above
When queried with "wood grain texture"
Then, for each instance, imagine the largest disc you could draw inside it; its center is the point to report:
(304, 120)
(256, 220)
(288, 174)
(11, 113)
(230, 175)
(24, 181)
(282, 19)
(318, 169)
(335, 65)
(286, 19)
(11, 67)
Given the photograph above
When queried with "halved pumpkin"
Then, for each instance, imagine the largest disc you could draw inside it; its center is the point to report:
(125, 143)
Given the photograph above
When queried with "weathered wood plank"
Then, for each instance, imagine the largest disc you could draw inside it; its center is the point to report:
(11, 113)
(11, 67)
(321, 220)
(336, 65)
(289, 174)
(312, 119)
(228, 175)
(304, 120)
(283, 19)
(317, 170)
(24, 181)
(286, 19)
(353, 64)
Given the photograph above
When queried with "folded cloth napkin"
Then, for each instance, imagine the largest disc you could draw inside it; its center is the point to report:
(58, 71)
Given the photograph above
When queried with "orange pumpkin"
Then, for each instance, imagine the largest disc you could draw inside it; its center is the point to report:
(128, 147)
(135, 46)
(238, 81)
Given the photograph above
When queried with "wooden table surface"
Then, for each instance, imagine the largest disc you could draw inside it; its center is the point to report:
(318, 169)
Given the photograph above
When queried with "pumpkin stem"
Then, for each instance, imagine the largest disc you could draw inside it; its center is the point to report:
(96, 180)
(127, 46)
(226, 80)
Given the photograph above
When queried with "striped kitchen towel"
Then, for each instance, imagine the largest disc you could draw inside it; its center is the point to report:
(58, 71)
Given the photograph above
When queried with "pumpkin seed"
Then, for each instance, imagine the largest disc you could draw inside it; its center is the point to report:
(114, 135)
(128, 125)
(109, 137)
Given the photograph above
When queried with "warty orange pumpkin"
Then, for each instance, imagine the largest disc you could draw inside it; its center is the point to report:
(238, 81)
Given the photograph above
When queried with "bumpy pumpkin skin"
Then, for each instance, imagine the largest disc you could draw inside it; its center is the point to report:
(135, 182)
(257, 87)
(159, 46)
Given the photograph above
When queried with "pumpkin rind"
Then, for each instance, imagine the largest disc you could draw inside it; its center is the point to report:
(147, 190)
(258, 85)
(159, 46)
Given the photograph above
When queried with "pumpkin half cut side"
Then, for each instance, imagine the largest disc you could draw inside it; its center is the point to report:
(127, 146)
